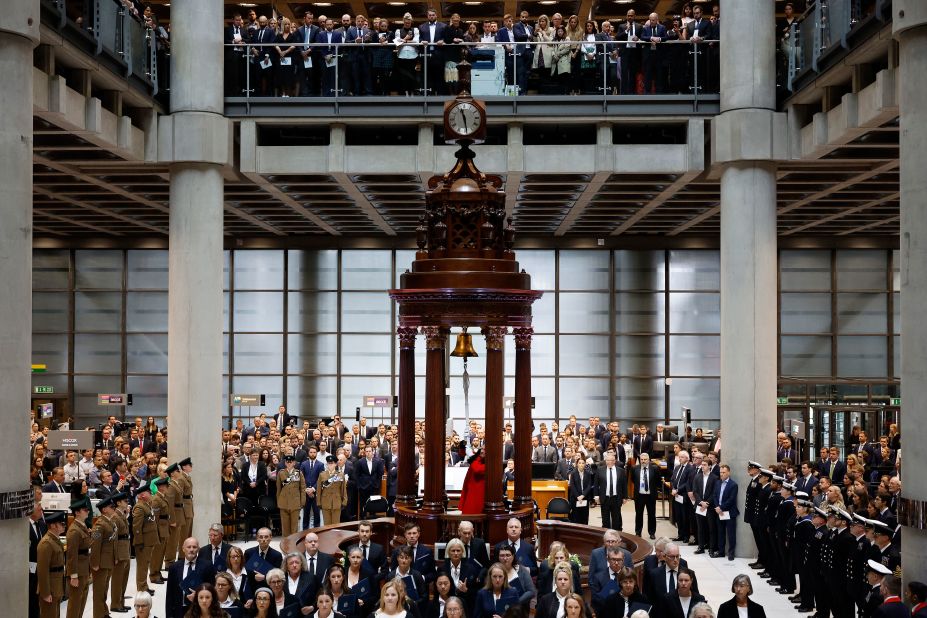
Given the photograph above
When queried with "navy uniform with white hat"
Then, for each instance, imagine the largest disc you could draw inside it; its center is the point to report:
(758, 519)
(785, 524)
(872, 592)
(773, 568)
(802, 560)
(103, 555)
(818, 553)
(77, 567)
(49, 566)
(856, 586)
(882, 550)
(842, 604)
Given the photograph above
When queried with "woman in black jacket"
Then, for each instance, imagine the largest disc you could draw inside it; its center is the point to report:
(580, 492)
(629, 595)
(679, 604)
(742, 589)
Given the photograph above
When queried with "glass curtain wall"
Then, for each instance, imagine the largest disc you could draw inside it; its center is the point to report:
(631, 335)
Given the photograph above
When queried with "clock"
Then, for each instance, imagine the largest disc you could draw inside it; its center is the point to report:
(464, 119)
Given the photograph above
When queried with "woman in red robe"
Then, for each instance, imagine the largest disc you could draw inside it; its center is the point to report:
(473, 493)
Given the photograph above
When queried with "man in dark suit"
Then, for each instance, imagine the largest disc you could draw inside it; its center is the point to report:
(598, 559)
(786, 451)
(833, 467)
(254, 478)
(185, 575)
(599, 581)
(311, 468)
(431, 36)
(646, 478)
(523, 32)
(423, 558)
(260, 559)
(699, 31)
(680, 487)
(545, 452)
(327, 56)
(217, 550)
(474, 546)
(56, 484)
(564, 465)
(37, 530)
(366, 431)
(374, 553)
(361, 82)
(611, 489)
(642, 443)
(725, 501)
(653, 34)
(368, 472)
(664, 436)
(316, 562)
(703, 490)
(235, 57)
(524, 552)
(262, 66)
(661, 581)
(308, 75)
(630, 53)
(806, 481)
(283, 419)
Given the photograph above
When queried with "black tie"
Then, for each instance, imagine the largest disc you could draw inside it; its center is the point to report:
(215, 556)
(672, 581)
(366, 556)
(646, 483)
(312, 566)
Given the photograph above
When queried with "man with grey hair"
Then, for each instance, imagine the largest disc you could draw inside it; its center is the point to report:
(598, 559)
(217, 550)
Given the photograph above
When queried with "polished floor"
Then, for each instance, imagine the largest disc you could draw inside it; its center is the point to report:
(714, 574)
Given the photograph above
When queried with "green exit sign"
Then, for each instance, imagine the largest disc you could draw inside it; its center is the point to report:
(782, 401)
(43, 390)
(895, 401)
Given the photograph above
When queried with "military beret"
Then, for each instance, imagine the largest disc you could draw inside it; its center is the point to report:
(80, 503)
(331, 459)
(878, 567)
(142, 489)
(105, 502)
(119, 497)
(171, 469)
(56, 517)
(161, 481)
(289, 458)
(753, 464)
(185, 462)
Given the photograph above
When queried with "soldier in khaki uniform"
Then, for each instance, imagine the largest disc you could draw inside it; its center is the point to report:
(49, 566)
(174, 549)
(291, 495)
(333, 492)
(78, 558)
(144, 536)
(186, 467)
(120, 579)
(103, 555)
(162, 506)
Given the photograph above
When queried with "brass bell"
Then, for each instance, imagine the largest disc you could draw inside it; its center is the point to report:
(464, 347)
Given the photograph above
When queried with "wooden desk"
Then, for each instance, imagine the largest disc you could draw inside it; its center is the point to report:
(543, 492)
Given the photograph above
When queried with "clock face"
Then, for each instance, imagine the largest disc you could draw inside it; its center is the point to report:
(464, 118)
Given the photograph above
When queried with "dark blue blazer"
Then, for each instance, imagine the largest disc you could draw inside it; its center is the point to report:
(376, 559)
(423, 562)
(524, 555)
(469, 573)
(545, 583)
(175, 597)
(522, 33)
(728, 502)
(321, 37)
(485, 605)
(220, 563)
(274, 557)
(365, 480)
(649, 32)
(806, 485)
(311, 471)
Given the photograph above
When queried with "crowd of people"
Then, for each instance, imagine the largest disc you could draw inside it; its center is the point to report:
(826, 530)
(352, 56)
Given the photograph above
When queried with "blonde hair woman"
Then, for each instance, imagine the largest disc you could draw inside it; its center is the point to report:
(543, 53)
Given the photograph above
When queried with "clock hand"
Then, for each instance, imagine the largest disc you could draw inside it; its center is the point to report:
(464, 118)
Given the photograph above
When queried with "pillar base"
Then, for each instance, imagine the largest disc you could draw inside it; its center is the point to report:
(521, 502)
(432, 507)
(494, 507)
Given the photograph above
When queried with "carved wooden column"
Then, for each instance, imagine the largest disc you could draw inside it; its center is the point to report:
(523, 429)
(406, 490)
(495, 389)
(436, 343)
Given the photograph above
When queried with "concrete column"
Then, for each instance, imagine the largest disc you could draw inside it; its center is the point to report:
(19, 34)
(195, 140)
(406, 491)
(910, 26)
(523, 430)
(495, 388)
(744, 140)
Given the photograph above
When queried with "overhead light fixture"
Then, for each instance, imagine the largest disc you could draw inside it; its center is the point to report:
(396, 3)
(624, 1)
(247, 5)
(548, 2)
(473, 2)
(322, 3)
